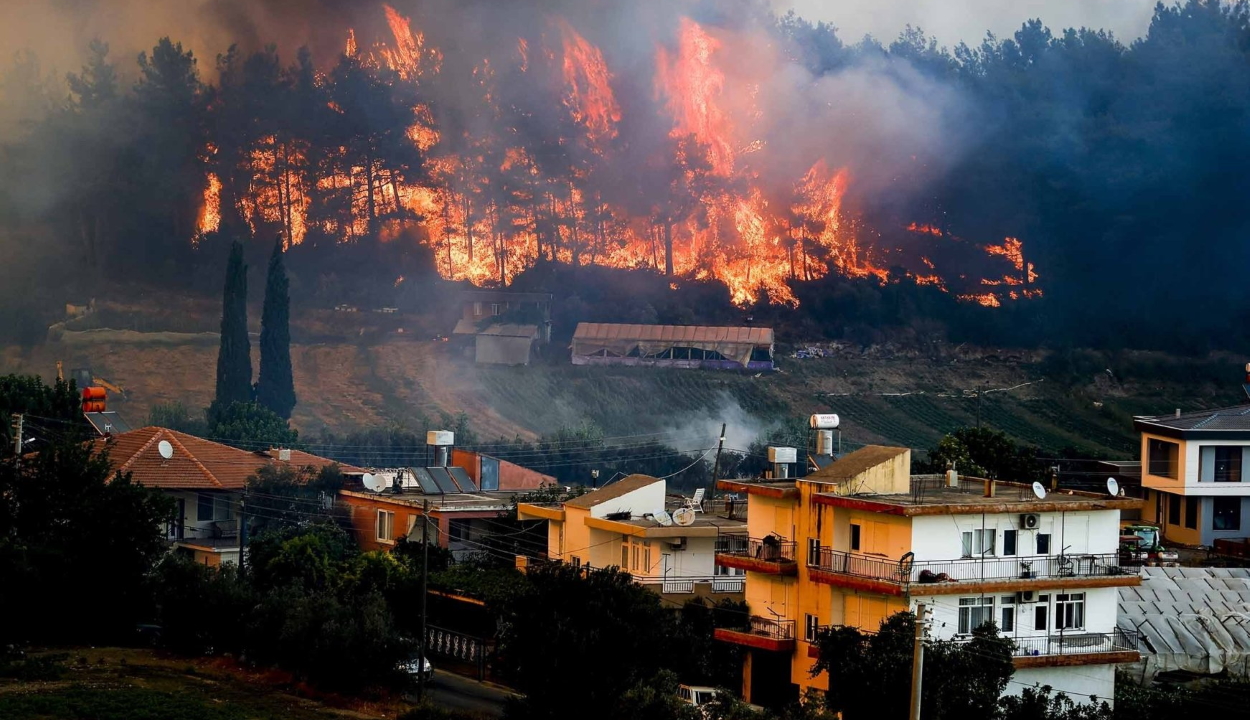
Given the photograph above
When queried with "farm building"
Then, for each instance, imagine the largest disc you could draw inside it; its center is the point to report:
(505, 344)
(688, 346)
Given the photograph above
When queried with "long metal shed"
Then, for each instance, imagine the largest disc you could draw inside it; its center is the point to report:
(694, 346)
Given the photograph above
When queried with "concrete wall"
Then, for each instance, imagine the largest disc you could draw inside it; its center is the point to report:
(1078, 683)
(939, 537)
(1101, 606)
(643, 500)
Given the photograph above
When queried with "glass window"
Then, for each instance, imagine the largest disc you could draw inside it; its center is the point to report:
(1009, 542)
(386, 525)
(813, 551)
(854, 536)
(1039, 612)
(1174, 509)
(978, 542)
(1007, 623)
(1043, 543)
(810, 627)
(1228, 464)
(204, 507)
(1191, 512)
(1226, 513)
(1070, 611)
(1163, 458)
(975, 612)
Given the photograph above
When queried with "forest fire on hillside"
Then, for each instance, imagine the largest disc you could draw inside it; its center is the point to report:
(697, 197)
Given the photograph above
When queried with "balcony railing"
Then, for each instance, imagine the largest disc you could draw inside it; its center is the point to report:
(769, 549)
(686, 585)
(1076, 642)
(729, 584)
(770, 628)
(907, 571)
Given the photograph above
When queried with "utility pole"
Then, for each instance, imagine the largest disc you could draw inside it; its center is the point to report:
(425, 577)
(980, 390)
(719, 447)
(242, 533)
(917, 663)
(18, 422)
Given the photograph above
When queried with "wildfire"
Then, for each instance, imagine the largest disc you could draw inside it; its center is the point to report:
(489, 205)
(589, 95)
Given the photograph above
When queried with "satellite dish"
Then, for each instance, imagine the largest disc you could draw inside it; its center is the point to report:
(373, 482)
(662, 517)
(683, 517)
(166, 450)
(1039, 490)
(1113, 487)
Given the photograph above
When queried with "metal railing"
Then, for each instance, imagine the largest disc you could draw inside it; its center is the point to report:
(1076, 642)
(770, 628)
(729, 584)
(731, 544)
(769, 549)
(907, 571)
(677, 587)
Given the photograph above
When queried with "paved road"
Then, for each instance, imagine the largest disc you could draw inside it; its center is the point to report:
(456, 692)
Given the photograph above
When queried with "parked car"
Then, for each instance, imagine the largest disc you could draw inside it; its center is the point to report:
(417, 667)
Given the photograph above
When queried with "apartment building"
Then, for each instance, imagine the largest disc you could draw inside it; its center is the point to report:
(1192, 474)
(861, 539)
(627, 524)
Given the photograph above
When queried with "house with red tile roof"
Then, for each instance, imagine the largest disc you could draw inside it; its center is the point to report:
(206, 480)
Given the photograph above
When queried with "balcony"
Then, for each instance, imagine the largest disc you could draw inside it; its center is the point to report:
(762, 634)
(772, 554)
(1076, 648)
(950, 576)
(691, 585)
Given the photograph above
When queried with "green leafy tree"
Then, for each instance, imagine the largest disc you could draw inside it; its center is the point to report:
(275, 388)
(983, 452)
(60, 512)
(250, 426)
(234, 359)
(1043, 703)
(57, 403)
(866, 671)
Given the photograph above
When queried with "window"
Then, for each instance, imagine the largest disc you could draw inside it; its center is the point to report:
(386, 525)
(1226, 513)
(975, 612)
(1228, 464)
(979, 542)
(1163, 458)
(477, 309)
(204, 507)
(1039, 613)
(1191, 512)
(1070, 611)
(1008, 615)
(854, 536)
(458, 530)
(1174, 509)
(625, 554)
(1043, 543)
(1009, 542)
(813, 551)
(495, 309)
(810, 627)
(210, 507)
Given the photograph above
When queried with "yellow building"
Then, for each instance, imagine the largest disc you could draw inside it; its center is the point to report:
(627, 524)
(861, 539)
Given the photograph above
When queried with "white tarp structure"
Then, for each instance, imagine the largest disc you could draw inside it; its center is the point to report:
(1190, 619)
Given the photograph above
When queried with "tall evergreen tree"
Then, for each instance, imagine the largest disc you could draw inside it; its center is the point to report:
(276, 387)
(234, 360)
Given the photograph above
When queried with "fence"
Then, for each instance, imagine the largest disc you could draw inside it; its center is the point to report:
(907, 571)
(769, 549)
(775, 629)
(1078, 642)
(461, 647)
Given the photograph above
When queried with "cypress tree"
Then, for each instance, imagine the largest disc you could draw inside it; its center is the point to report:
(234, 359)
(276, 387)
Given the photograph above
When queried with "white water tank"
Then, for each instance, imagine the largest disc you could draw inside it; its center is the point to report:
(824, 442)
(439, 438)
(827, 421)
(778, 455)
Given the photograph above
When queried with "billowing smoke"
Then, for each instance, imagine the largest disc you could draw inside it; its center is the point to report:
(702, 429)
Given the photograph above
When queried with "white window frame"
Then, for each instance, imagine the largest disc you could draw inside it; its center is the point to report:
(1070, 611)
(385, 526)
(811, 626)
(1007, 614)
(973, 608)
(979, 542)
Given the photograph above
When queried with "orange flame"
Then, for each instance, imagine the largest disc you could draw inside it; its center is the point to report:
(589, 95)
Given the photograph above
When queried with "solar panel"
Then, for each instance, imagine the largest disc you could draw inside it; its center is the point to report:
(462, 479)
(428, 486)
(443, 478)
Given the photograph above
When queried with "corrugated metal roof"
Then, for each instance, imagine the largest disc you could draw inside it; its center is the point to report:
(1230, 418)
(512, 330)
(675, 334)
(611, 492)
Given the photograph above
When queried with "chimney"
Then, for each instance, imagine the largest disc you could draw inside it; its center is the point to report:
(1178, 412)
(990, 488)
(284, 454)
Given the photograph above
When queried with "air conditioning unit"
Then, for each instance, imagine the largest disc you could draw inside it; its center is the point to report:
(1026, 596)
(677, 543)
(1030, 521)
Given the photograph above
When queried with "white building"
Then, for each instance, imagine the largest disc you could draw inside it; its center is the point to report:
(627, 525)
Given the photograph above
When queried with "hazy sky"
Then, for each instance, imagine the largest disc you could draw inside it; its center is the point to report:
(967, 20)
